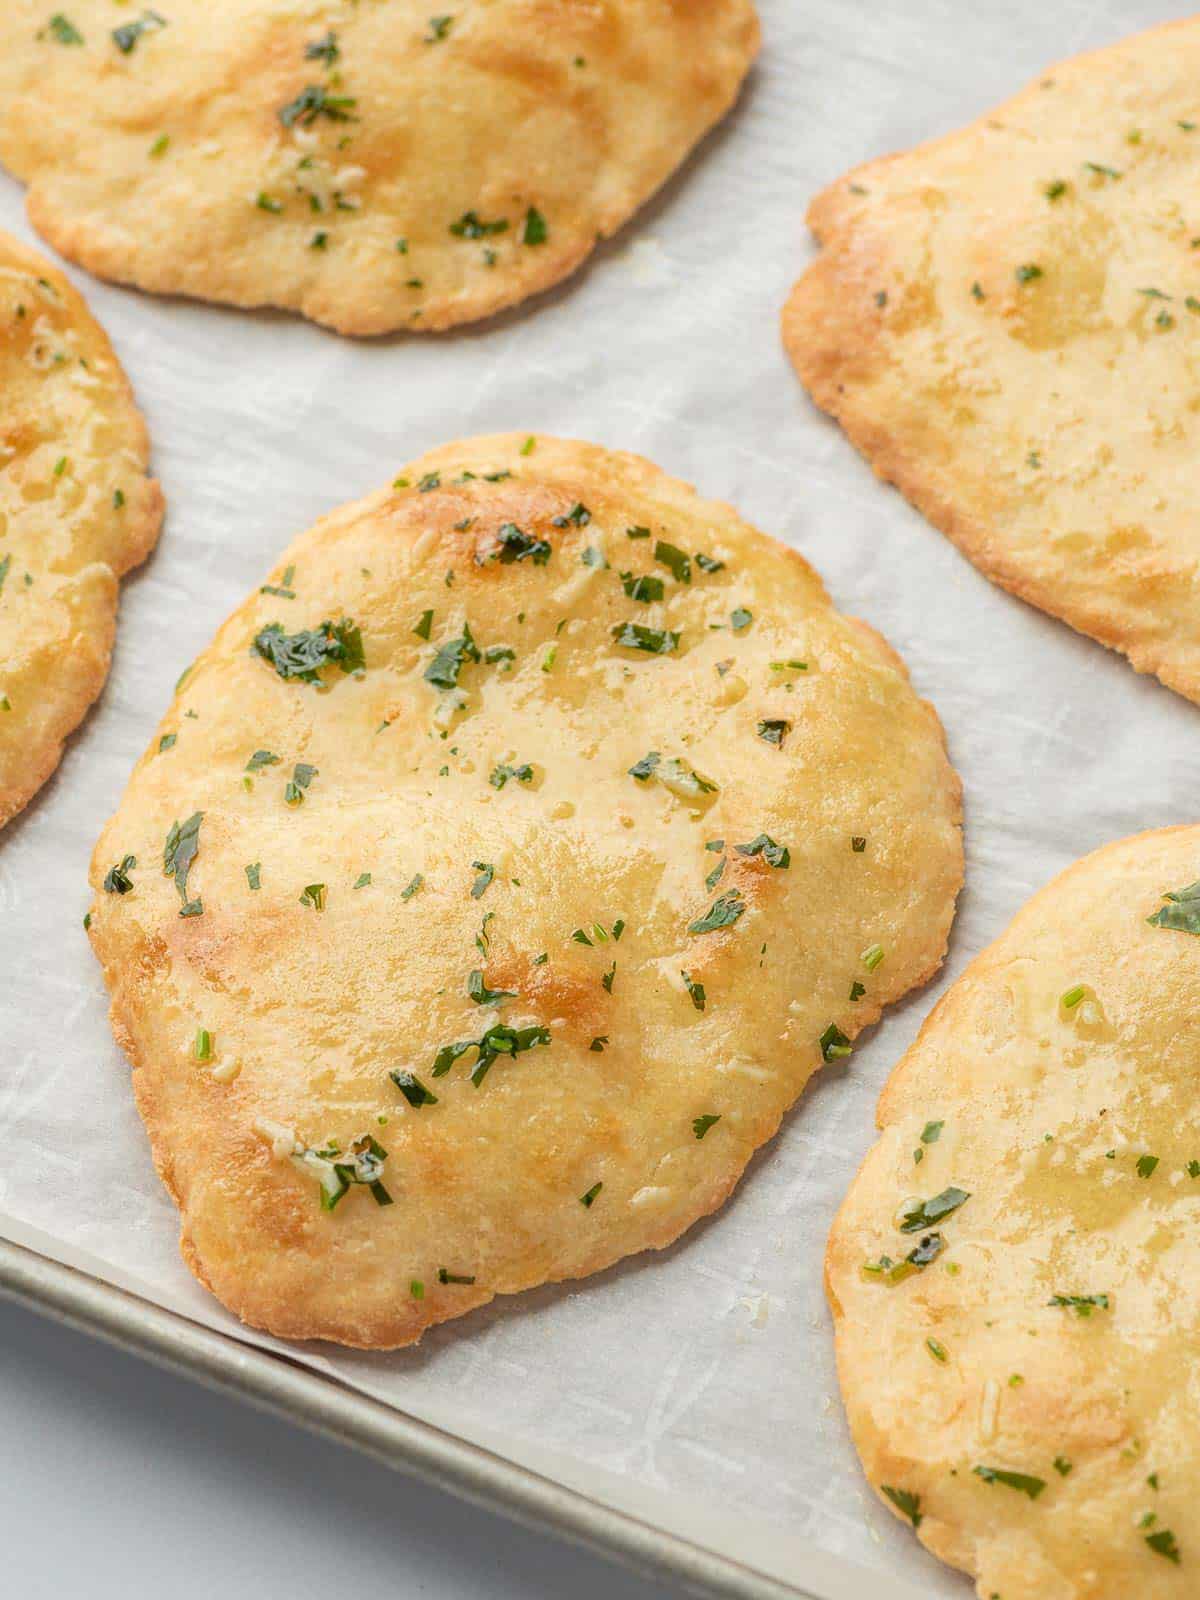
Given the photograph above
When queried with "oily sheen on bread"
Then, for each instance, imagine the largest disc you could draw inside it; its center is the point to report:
(359, 161)
(77, 510)
(1013, 1273)
(498, 878)
(1006, 322)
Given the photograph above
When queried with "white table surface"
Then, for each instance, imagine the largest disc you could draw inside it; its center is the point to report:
(117, 1479)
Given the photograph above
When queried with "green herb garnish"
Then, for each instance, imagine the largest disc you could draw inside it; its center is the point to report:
(646, 588)
(773, 729)
(775, 855)
(655, 641)
(304, 655)
(413, 1090)
(63, 30)
(502, 773)
(723, 913)
(472, 226)
(117, 879)
(834, 1044)
(695, 990)
(1020, 1481)
(446, 665)
(499, 1040)
(672, 557)
(314, 101)
(931, 1211)
(179, 852)
(1081, 1304)
(701, 1125)
(1182, 911)
(478, 991)
(907, 1503)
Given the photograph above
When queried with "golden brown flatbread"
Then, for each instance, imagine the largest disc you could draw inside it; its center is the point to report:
(76, 512)
(1013, 1273)
(1006, 322)
(366, 164)
(530, 839)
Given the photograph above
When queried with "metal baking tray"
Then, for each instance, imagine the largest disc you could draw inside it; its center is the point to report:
(287, 1390)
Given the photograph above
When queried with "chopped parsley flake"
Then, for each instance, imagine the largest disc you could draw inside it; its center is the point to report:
(930, 1211)
(723, 913)
(502, 773)
(62, 30)
(775, 855)
(646, 588)
(254, 874)
(701, 1125)
(423, 626)
(1081, 1304)
(261, 758)
(695, 990)
(486, 873)
(478, 991)
(773, 730)
(439, 27)
(179, 852)
(740, 619)
(1146, 1166)
(907, 1503)
(472, 226)
(413, 1090)
(672, 557)
(1028, 273)
(1182, 911)
(536, 231)
(363, 880)
(167, 740)
(512, 544)
(117, 879)
(499, 1040)
(302, 776)
(452, 1277)
(314, 101)
(655, 641)
(302, 656)
(1163, 1544)
(325, 50)
(587, 1199)
(446, 665)
(1020, 1481)
(414, 885)
(834, 1044)
(314, 896)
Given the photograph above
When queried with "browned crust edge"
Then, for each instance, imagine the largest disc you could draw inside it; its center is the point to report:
(824, 334)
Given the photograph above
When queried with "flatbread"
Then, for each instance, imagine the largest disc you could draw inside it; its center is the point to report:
(1006, 322)
(588, 761)
(366, 164)
(1028, 1398)
(76, 511)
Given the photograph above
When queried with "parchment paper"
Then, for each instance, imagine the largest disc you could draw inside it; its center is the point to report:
(699, 1384)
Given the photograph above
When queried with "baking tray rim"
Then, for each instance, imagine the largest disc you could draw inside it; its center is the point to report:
(407, 1444)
